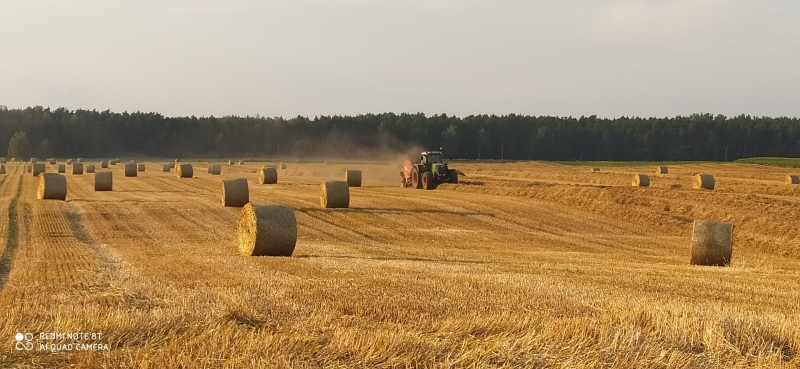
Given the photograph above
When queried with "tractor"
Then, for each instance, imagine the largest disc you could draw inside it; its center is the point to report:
(430, 172)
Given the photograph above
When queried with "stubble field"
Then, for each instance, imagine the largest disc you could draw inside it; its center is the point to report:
(522, 265)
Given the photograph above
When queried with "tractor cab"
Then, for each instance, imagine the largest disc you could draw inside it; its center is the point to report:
(431, 157)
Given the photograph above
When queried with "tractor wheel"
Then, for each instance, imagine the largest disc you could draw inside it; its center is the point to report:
(416, 181)
(428, 182)
(452, 175)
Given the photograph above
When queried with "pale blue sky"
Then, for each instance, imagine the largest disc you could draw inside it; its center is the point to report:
(324, 57)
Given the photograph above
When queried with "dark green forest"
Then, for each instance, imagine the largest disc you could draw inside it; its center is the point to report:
(44, 132)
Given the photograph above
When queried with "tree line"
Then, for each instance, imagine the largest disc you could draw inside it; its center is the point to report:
(44, 132)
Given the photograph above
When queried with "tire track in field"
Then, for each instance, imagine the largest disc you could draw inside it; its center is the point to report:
(12, 239)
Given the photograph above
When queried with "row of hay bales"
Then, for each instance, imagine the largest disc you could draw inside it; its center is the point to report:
(271, 230)
(53, 186)
(700, 181)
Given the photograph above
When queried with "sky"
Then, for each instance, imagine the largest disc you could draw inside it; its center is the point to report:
(608, 58)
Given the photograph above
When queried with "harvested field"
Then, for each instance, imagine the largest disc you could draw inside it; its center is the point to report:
(519, 265)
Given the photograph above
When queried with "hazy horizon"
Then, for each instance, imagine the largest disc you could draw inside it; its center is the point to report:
(610, 58)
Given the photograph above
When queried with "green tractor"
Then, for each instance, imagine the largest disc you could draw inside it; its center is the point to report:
(429, 173)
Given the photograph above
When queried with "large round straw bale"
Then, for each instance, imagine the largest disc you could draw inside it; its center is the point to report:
(641, 180)
(167, 167)
(171, 165)
(353, 178)
(3, 160)
(80, 160)
(52, 161)
(267, 230)
(104, 164)
(703, 181)
(792, 179)
(103, 181)
(77, 168)
(113, 162)
(241, 162)
(267, 175)
(2, 169)
(140, 167)
(177, 160)
(69, 161)
(283, 165)
(62, 168)
(34, 160)
(130, 170)
(335, 194)
(90, 168)
(215, 169)
(38, 168)
(235, 192)
(184, 171)
(595, 169)
(230, 162)
(52, 186)
(662, 170)
(712, 243)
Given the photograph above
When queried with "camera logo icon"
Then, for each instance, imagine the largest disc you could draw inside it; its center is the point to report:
(24, 342)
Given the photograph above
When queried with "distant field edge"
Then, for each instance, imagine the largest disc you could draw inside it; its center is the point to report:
(625, 163)
(774, 162)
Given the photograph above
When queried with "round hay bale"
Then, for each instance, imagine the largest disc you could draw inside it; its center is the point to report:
(38, 168)
(167, 168)
(177, 160)
(62, 168)
(2, 169)
(267, 175)
(171, 165)
(52, 186)
(595, 170)
(140, 167)
(80, 160)
(103, 181)
(641, 180)
(235, 192)
(283, 165)
(34, 160)
(230, 162)
(209, 169)
(90, 168)
(77, 168)
(241, 162)
(52, 161)
(130, 170)
(3, 160)
(712, 243)
(703, 181)
(662, 170)
(353, 178)
(133, 161)
(184, 171)
(104, 164)
(215, 169)
(113, 162)
(69, 161)
(792, 179)
(335, 194)
(267, 230)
